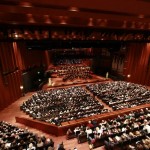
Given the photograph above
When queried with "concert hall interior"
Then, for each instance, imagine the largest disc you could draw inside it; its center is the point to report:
(74, 75)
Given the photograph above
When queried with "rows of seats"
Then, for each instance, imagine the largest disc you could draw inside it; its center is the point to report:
(72, 72)
(14, 138)
(120, 94)
(68, 61)
(137, 140)
(124, 130)
(61, 105)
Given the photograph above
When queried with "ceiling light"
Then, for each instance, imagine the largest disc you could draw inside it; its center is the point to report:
(141, 16)
(30, 18)
(73, 9)
(90, 23)
(25, 4)
(63, 19)
(47, 19)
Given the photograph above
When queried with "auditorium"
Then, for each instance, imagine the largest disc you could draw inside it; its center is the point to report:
(74, 75)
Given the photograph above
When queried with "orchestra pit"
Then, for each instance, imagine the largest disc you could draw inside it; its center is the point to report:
(74, 75)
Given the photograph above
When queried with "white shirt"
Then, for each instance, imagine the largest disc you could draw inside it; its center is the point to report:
(147, 127)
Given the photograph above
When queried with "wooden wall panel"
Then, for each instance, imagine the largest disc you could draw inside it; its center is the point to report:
(14, 86)
(15, 58)
(3, 59)
(137, 63)
(30, 58)
(10, 88)
(10, 77)
(18, 84)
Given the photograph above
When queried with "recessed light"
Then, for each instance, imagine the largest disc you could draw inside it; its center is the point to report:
(30, 18)
(141, 16)
(73, 9)
(90, 23)
(25, 4)
(47, 19)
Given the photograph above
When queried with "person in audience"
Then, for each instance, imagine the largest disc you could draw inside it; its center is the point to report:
(39, 143)
(49, 144)
(88, 131)
(90, 125)
(146, 127)
(61, 146)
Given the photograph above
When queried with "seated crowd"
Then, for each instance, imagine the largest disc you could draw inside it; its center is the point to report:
(14, 138)
(120, 94)
(72, 72)
(123, 131)
(60, 105)
(68, 61)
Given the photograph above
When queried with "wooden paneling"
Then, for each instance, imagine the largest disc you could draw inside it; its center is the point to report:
(15, 58)
(137, 63)
(10, 76)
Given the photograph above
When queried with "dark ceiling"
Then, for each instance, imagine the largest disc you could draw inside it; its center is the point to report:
(120, 14)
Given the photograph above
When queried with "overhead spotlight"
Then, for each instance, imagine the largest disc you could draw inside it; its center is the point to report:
(30, 18)
(90, 23)
(124, 24)
(25, 4)
(73, 9)
(63, 19)
(47, 19)
(133, 24)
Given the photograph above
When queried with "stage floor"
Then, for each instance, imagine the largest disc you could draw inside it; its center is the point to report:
(58, 82)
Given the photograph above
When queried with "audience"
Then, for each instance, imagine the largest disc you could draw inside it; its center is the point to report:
(120, 94)
(61, 105)
(59, 62)
(14, 138)
(72, 72)
(123, 129)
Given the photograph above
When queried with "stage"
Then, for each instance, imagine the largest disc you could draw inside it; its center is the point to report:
(55, 81)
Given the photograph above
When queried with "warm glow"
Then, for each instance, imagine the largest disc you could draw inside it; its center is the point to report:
(128, 76)
(47, 19)
(21, 87)
(63, 19)
(90, 23)
(25, 4)
(141, 16)
(30, 18)
(73, 9)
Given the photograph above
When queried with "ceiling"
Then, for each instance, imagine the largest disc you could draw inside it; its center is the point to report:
(119, 14)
